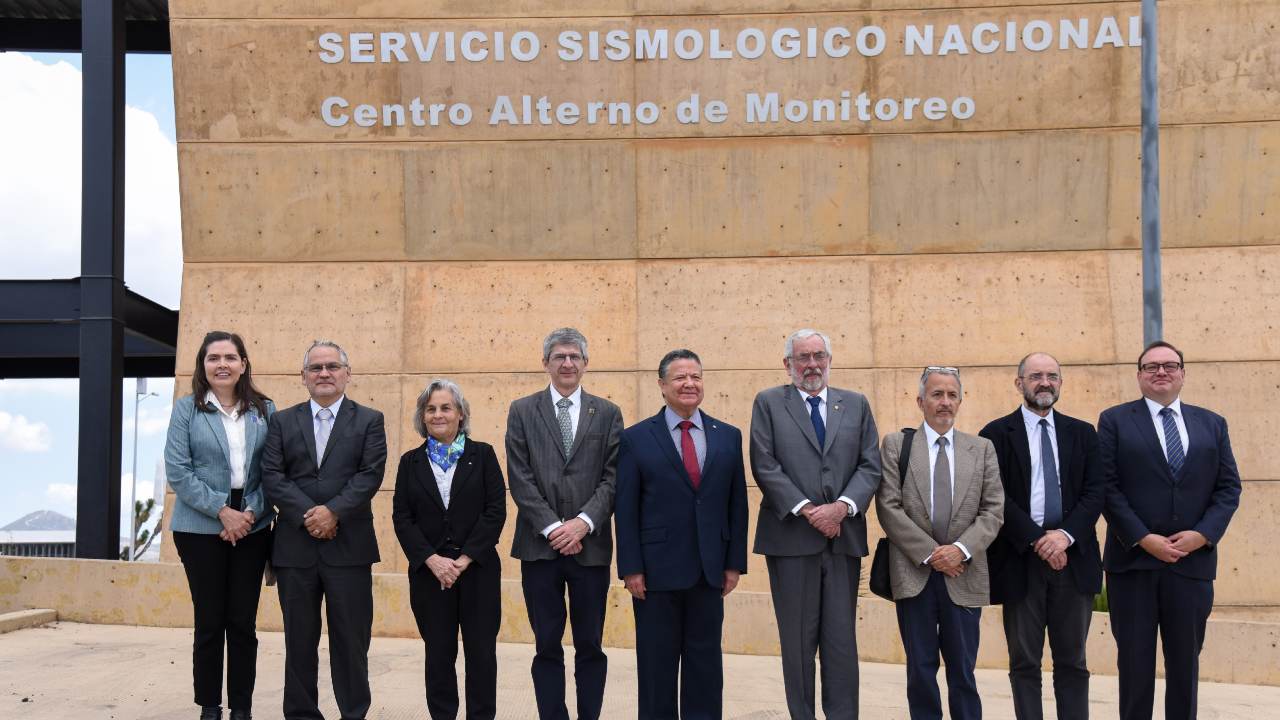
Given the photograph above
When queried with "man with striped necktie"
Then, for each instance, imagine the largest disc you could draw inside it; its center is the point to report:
(1172, 487)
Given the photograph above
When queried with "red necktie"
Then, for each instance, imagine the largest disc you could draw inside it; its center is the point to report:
(690, 454)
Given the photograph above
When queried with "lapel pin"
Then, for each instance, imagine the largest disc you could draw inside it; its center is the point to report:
(837, 407)
(591, 411)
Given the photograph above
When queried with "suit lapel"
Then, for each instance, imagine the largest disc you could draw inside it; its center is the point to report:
(662, 436)
(965, 474)
(252, 429)
(346, 415)
(835, 414)
(1143, 423)
(214, 420)
(1017, 430)
(305, 427)
(426, 475)
(548, 416)
(1198, 438)
(799, 412)
(1066, 444)
(711, 430)
(586, 416)
(918, 469)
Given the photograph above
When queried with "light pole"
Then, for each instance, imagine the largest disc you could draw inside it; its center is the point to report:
(139, 394)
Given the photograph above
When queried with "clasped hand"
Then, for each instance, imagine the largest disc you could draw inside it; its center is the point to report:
(948, 560)
(321, 523)
(1173, 548)
(235, 524)
(1052, 548)
(567, 539)
(826, 518)
(447, 570)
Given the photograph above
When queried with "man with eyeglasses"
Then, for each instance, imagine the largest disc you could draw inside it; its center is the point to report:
(815, 457)
(1045, 566)
(562, 459)
(940, 519)
(1172, 487)
(321, 467)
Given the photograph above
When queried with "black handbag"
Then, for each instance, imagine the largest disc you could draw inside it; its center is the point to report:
(878, 581)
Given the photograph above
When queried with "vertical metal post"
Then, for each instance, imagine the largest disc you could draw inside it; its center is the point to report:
(1152, 288)
(101, 280)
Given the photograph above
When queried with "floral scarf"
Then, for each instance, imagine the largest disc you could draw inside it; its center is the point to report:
(444, 456)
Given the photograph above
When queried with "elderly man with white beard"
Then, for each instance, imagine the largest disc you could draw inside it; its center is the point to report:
(816, 459)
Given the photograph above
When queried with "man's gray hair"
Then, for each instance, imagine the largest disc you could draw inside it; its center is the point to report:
(564, 336)
(325, 343)
(802, 335)
(464, 426)
(940, 370)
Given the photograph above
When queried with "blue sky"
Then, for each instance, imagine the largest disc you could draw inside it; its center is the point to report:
(39, 238)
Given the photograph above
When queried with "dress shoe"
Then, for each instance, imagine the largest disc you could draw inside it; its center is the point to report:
(211, 712)
(240, 715)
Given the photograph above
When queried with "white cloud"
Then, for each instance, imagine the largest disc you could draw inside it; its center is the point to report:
(19, 433)
(15, 387)
(153, 422)
(40, 183)
(64, 493)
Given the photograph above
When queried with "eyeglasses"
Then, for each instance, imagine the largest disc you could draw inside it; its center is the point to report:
(317, 368)
(806, 358)
(559, 358)
(1037, 377)
(1153, 368)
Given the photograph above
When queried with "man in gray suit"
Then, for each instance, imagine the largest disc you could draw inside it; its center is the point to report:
(816, 460)
(940, 519)
(562, 456)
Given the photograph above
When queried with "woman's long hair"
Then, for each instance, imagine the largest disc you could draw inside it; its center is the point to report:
(247, 395)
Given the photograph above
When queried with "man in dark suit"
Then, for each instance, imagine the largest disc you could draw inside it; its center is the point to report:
(562, 456)
(815, 454)
(682, 543)
(1172, 487)
(1045, 565)
(321, 467)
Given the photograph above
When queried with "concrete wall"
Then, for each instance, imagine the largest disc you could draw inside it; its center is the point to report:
(454, 250)
(155, 594)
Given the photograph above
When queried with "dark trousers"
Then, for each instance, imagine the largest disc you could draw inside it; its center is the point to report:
(1052, 602)
(678, 645)
(347, 591)
(225, 582)
(1142, 602)
(474, 606)
(930, 622)
(815, 600)
(544, 583)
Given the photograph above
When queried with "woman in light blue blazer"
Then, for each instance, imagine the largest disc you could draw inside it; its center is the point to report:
(221, 522)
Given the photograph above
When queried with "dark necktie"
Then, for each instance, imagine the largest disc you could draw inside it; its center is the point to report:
(689, 453)
(1052, 490)
(941, 494)
(1172, 441)
(819, 427)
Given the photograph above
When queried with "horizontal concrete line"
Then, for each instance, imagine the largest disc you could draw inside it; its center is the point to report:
(870, 257)
(20, 619)
(849, 10)
(703, 138)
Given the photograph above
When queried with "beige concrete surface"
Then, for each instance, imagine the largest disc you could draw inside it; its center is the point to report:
(22, 619)
(69, 671)
(1242, 647)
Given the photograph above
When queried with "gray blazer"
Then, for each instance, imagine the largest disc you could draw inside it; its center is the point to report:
(197, 463)
(902, 507)
(789, 467)
(547, 486)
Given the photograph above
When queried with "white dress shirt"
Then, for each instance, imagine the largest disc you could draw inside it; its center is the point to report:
(1031, 422)
(1176, 407)
(822, 410)
(444, 480)
(575, 409)
(931, 437)
(233, 424)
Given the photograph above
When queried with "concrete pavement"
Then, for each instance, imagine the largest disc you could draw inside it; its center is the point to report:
(70, 671)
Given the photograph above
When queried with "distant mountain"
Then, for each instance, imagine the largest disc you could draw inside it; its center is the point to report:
(42, 520)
